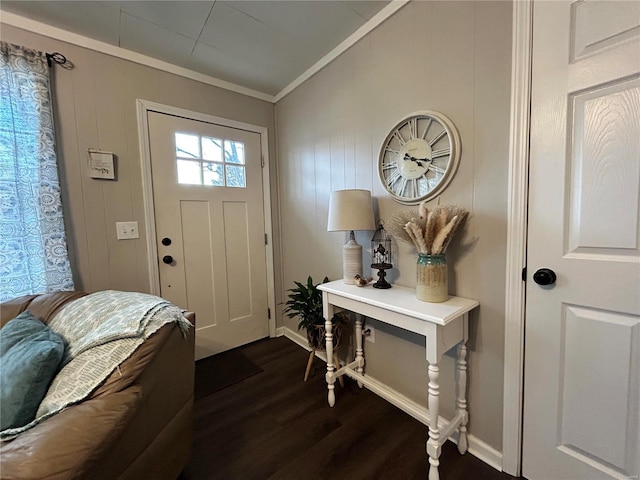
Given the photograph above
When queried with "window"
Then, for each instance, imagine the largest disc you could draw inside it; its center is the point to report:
(210, 161)
(33, 248)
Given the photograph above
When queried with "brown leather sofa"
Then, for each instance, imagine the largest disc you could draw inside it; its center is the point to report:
(136, 425)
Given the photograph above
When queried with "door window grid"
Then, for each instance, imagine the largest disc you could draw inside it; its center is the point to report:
(210, 161)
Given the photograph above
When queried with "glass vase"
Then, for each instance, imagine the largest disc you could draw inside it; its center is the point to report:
(432, 283)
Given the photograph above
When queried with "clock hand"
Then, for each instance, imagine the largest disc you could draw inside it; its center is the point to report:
(427, 160)
(413, 159)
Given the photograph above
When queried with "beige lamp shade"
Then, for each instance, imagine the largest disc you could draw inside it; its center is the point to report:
(350, 210)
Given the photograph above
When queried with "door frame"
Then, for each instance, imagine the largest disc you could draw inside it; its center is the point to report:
(517, 198)
(143, 107)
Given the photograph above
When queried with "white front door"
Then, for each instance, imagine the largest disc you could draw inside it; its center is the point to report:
(208, 201)
(582, 354)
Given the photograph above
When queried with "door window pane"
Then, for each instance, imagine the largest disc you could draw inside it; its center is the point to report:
(212, 149)
(236, 176)
(210, 161)
(189, 172)
(234, 152)
(187, 146)
(212, 174)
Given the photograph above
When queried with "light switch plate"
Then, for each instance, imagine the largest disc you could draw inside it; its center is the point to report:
(127, 230)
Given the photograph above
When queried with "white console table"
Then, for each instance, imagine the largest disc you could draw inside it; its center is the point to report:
(444, 325)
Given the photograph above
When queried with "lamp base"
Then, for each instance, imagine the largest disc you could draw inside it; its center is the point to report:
(351, 260)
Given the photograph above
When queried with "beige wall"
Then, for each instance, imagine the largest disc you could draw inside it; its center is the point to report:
(95, 105)
(453, 57)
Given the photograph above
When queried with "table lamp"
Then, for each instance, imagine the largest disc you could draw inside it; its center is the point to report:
(351, 210)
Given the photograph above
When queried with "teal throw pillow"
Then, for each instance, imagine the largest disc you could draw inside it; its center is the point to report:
(30, 356)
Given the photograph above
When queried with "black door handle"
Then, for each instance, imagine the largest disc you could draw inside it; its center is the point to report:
(544, 276)
(166, 241)
(168, 259)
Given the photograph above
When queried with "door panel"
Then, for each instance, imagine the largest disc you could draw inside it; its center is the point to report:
(582, 355)
(196, 237)
(208, 199)
(604, 170)
(238, 258)
(597, 375)
(596, 26)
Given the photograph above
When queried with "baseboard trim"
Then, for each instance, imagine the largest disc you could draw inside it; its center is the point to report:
(477, 447)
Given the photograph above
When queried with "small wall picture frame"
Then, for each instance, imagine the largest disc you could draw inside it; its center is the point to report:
(101, 165)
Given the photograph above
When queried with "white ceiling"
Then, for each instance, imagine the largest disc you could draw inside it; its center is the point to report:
(262, 45)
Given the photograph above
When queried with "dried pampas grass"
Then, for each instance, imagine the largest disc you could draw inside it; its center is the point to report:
(430, 231)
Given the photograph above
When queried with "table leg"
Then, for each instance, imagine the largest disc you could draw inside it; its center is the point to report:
(433, 444)
(330, 377)
(337, 366)
(359, 350)
(461, 402)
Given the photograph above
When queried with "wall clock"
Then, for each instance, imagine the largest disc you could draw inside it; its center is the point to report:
(419, 157)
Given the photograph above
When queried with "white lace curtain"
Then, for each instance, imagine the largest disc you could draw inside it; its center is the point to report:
(33, 248)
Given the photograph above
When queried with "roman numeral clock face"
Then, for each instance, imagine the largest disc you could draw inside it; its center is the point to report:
(419, 157)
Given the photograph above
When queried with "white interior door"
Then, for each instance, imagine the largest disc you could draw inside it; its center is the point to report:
(207, 190)
(582, 355)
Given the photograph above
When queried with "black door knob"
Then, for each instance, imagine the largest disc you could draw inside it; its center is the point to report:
(166, 241)
(168, 259)
(544, 276)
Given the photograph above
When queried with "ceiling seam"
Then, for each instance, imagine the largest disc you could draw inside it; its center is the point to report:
(346, 4)
(270, 27)
(203, 27)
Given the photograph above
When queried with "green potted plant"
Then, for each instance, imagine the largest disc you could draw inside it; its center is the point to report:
(305, 302)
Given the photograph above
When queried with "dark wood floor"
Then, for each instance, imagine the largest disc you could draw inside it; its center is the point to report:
(275, 426)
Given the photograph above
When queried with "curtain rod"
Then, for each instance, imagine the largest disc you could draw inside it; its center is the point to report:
(59, 59)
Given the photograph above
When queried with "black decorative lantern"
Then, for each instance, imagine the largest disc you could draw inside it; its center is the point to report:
(381, 255)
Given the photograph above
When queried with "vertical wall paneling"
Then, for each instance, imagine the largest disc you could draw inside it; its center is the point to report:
(488, 228)
(336, 100)
(93, 197)
(70, 168)
(112, 137)
(361, 112)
